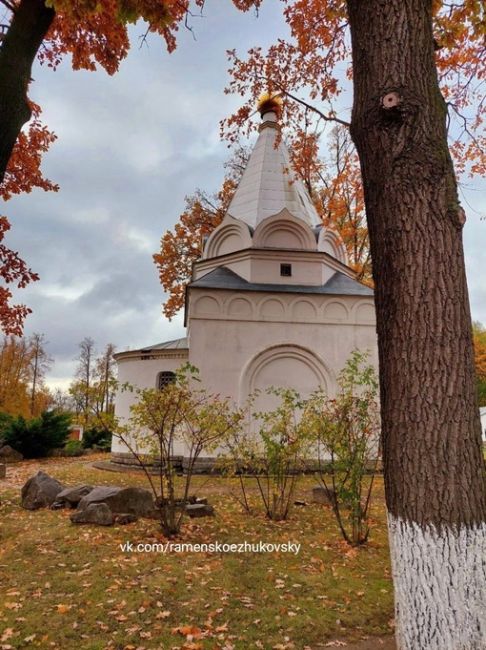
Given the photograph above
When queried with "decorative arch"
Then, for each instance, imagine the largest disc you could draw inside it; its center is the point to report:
(336, 310)
(286, 365)
(303, 311)
(365, 312)
(240, 307)
(283, 230)
(271, 309)
(207, 306)
(231, 235)
(330, 242)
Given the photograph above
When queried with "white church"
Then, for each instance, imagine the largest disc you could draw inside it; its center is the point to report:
(272, 301)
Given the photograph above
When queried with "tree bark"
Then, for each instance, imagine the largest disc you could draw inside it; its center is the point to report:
(30, 24)
(434, 468)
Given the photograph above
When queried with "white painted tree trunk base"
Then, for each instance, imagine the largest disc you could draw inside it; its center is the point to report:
(440, 586)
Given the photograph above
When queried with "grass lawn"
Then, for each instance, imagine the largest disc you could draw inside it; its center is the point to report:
(70, 586)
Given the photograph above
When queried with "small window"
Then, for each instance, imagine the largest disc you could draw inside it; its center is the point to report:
(165, 378)
(286, 270)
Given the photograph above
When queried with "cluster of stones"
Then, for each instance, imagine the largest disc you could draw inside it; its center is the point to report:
(100, 505)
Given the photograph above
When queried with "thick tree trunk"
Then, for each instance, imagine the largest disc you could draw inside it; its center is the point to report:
(434, 469)
(30, 24)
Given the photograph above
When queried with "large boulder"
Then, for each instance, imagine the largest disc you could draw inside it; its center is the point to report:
(10, 455)
(132, 500)
(40, 491)
(70, 497)
(95, 513)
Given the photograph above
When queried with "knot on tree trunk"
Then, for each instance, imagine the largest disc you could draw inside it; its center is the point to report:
(391, 100)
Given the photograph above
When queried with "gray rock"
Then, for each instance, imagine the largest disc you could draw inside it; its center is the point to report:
(3, 470)
(125, 518)
(321, 495)
(199, 510)
(40, 491)
(70, 497)
(10, 455)
(95, 513)
(133, 500)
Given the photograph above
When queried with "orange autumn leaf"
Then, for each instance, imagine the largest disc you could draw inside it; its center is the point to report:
(187, 631)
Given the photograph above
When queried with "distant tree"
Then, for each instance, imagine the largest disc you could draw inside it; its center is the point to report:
(15, 375)
(105, 379)
(92, 391)
(41, 362)
(80, 389)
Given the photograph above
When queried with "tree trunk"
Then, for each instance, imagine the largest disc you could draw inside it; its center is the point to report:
(434, 468)
(30, 24)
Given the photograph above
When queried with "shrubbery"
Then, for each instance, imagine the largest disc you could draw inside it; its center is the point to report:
(97, 438)
(37, 437)
(73, 448)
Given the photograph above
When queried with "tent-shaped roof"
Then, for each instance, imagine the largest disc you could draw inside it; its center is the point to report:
(268, 184)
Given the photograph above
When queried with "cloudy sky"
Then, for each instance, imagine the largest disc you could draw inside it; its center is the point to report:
(129, 149)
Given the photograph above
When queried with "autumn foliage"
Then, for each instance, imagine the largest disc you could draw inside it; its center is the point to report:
(180, 248)
(479, 337)
(308, 70)
(17, 367)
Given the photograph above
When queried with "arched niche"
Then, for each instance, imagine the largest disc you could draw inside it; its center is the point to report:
(283, 230)
(206, 306)
(240, 307)
(286, 366)
(231, 235)
(331, 243)
(336, 310)
(365, 312)
(304, 311)
(271, 309)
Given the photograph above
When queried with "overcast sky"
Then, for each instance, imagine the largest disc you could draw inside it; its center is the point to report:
(129, 149)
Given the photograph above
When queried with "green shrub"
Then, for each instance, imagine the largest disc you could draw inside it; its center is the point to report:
(5, 422)
(97, 438)
(37, 437)
(73, 448)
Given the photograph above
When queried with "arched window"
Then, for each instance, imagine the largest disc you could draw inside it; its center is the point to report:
(165, 378)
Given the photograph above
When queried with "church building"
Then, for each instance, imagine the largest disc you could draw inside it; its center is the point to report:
(272, 301)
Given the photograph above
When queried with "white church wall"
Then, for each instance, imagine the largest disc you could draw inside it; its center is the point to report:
(142, 373)
(224, 343)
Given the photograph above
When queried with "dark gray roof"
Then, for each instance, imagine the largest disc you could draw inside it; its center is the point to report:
(338, 284)
(176, 344)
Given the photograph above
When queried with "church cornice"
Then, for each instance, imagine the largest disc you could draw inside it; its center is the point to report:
(273, 253)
